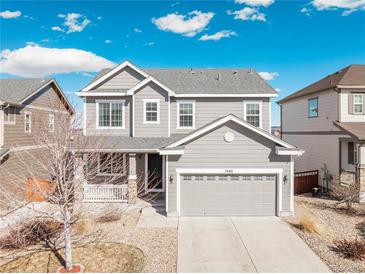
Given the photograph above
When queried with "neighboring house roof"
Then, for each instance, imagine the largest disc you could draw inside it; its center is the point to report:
(17, 91)
(3, 152)
(355, 129)
(199, 81)
(351, 76)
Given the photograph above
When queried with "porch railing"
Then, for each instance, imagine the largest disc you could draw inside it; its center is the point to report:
(106, 193)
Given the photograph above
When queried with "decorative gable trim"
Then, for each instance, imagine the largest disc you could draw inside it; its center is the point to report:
(226, 119)
(112, 72)
(149, 79)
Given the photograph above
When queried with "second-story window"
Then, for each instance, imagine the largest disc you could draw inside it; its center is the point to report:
(9, 117)
(313, 107)
(358, 104)
(27, 122)
(110, 114)
(252, 113)
(151, 111)
(51, 120)
(185, 111)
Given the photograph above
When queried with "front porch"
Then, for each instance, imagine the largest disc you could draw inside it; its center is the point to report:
(140, 175)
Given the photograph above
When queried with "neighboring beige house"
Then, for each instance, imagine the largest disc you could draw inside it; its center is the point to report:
(327, 120)
(25, 106)
(205, 132)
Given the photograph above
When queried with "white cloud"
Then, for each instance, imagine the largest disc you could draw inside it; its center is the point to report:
(306, 11)
(277, 89)
(7, 14)
(349, 6)
(256, 3)
(31, 43)
(36, 61)
(107, 41)
(137, 30)
(57, 28)
(218, 35)
(99, 17)
(268, 76)
(150, 43)
(187, 25)
(248, 14)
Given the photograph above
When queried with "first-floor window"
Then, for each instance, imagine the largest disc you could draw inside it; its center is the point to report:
(186, 114)
(358, 103)
(9, 115)
(111, 163)
(27, 122)
(110, 114)
(352, 153)
(253, 113)
(51, 122)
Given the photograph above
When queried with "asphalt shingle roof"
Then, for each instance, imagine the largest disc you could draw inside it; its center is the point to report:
(353, 75)
(16, 90)
(208, 81)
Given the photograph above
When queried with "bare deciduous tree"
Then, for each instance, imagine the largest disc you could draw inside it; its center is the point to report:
(345, 192)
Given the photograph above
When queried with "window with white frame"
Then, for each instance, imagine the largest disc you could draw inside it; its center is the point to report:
(27, 122)
(186, 115)
(253, 113)
(358, 103)
(110, 114)
(151, 111)
(51, 120)
(9, 117)
(111, 163)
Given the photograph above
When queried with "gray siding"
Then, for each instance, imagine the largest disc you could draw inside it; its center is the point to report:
(345, 115)
(142, 129)
(125, 79)
(209, 109)
(248, 150)
(91, 120)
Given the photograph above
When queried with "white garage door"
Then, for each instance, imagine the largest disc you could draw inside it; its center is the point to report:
(228, 195)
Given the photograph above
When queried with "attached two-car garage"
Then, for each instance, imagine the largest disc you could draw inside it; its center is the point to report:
(228, 195)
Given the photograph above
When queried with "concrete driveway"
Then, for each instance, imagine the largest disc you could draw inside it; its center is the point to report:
(242, 244)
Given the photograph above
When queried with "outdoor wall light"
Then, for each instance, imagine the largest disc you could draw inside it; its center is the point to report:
(171, 178)
(285, 178)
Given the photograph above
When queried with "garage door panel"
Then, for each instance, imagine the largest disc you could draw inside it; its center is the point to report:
(222, 195)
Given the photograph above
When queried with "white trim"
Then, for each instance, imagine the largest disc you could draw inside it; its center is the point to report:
(145, 101)
(14, 115)
(141, 84)
(133, 118)
(101, 94)
(110, 101)
(349, 86)
(144, 150)
(25, 121)
(22, 148)
(292, 185)
(270, 116)
(289, 152)
(168, 116)
(178, 113)
(172, 152)
(277, 171)
(241, 95)
(114, 71)
(167, 182)
(84, 126)
(224, 120)
(49, 122)
(47, 109)
(132, 177)
(245, 103)
(1, 127)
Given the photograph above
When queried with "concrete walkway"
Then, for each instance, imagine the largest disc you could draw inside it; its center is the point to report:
(242, 244)
(155, 219)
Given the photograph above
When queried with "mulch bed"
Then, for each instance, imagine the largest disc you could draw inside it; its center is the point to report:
(98, 257)
(337, 223)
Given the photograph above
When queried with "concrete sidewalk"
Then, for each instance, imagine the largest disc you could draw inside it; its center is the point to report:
(242, 244)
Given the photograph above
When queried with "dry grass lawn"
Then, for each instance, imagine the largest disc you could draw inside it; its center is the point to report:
(334, 223)
(99, 257)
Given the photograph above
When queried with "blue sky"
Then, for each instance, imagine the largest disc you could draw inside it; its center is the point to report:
(297, 42)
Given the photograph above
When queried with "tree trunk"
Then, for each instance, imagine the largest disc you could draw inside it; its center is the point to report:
(68, 244)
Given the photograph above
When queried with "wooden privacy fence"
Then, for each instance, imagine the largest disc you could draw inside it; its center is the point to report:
(106, 193)
(305, 181)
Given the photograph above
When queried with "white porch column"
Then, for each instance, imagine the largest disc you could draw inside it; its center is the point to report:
(361, 173)
(132, 178)
(1, 126)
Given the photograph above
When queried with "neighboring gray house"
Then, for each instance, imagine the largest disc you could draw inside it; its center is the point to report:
(206, 132)
(25, 106)
(327, 120)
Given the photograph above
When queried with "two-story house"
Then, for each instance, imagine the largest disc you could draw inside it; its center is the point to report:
(327, 120)
(205, 131)
(26, 106)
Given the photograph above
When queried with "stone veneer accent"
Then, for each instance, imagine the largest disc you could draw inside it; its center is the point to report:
(362, 184)
(132, 191)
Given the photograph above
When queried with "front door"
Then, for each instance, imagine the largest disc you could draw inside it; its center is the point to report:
(154, 174)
